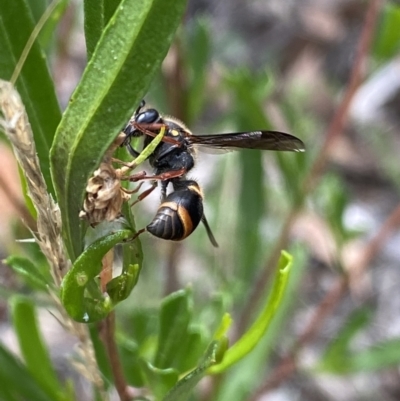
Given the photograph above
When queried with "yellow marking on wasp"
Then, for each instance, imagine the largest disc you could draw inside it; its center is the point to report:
(170, 205)
(186, 221)
(196, 189)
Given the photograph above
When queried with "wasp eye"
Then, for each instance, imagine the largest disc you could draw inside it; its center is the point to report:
(148, 117)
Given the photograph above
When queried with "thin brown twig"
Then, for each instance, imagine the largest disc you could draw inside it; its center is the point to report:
(334, 130)
(113, 356)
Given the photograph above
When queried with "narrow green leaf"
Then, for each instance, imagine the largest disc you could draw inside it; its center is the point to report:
(81, 278)
(115, 80)
(380, 356)
(33, 349)
(241, 378)
(249, 91)
(47, 34)
(250, 211)
(97, 14)
(223, 327)
(37, 8)
(6, 394)
(253, 336)
(26, 269)
(16, 378)
(292, 168)
(387, 41)
(182, 390)
(94, 23)
(175, 316)
(34, 84)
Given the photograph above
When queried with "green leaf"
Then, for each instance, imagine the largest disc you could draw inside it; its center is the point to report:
(380, 356)
(387, 41)
(185, 386)
(26, 269)
(80, 278)
(175, 315)
(97, 14)
(249, 91)
(33, 349)
(37, 8)
(256, 332)
(238, 382)
(47, 33)
(18, 381)
(34, 83)
(250, 211)
(114, 82)
(292, 168)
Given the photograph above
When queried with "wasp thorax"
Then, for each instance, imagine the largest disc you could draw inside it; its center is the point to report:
(104, 196)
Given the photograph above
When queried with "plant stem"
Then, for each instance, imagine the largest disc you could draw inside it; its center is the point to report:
(113, 356)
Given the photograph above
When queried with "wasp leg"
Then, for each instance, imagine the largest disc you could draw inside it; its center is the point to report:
(145, 193)
(141, 231)
(135, 177)
(163, 176)
(132, 191)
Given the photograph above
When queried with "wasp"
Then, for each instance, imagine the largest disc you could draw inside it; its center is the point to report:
(181, 211)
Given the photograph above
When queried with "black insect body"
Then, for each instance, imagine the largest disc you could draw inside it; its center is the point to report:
(181, 211)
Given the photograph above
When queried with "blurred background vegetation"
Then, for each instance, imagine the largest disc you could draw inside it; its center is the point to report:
(327, 72)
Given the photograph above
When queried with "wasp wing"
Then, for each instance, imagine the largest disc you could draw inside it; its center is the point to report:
(264, 140)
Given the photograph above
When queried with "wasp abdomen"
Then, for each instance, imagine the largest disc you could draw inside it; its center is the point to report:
(179, 215)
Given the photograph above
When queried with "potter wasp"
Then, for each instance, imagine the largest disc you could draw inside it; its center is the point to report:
(181, 211)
